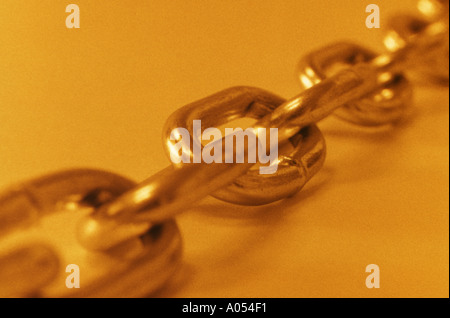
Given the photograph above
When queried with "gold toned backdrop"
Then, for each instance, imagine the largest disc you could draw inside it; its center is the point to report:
(98, 96)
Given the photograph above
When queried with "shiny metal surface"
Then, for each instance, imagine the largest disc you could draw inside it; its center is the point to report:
(170, 191)
(131, 251)
(299, 158)
(384, 105)
(124, 231)
(434, 55)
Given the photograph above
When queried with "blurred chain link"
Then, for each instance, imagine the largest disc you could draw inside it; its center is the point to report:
(131, 226)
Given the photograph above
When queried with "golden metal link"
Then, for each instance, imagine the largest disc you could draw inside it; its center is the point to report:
(322, 99)
(433, 10)
(433, 56)
(299, 159)
(384, 105)
(133, 252)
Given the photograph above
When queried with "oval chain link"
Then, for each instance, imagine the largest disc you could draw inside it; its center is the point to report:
(30, 264)
(300, 158)
(384, 105)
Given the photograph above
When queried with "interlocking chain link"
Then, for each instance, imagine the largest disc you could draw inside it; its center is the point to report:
(132, 225)
(140, 251)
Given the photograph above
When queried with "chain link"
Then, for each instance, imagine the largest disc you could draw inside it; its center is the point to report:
(343, 79)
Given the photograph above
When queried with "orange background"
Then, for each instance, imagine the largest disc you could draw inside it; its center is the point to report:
(98, 97)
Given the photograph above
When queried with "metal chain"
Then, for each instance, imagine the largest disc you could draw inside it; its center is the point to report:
(132, 224)
(370, 90)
